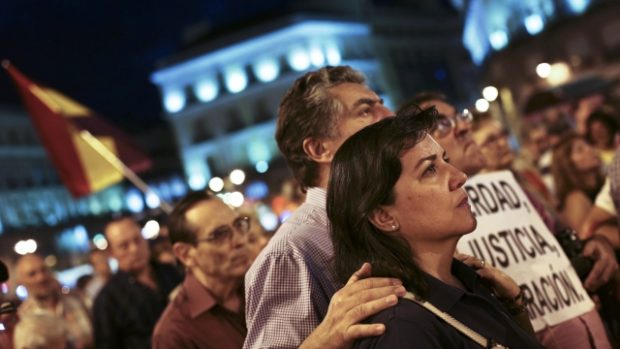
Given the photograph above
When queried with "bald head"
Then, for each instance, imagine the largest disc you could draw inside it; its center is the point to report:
(127, 245)
(36, 276)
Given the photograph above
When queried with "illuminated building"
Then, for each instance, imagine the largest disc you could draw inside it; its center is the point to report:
(221, 98)
(222, 101)
(514, 40)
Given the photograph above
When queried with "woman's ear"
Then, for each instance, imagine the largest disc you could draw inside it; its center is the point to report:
(183, 253)
(383, 220)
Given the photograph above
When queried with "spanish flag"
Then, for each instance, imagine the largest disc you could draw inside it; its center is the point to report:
(60, 122)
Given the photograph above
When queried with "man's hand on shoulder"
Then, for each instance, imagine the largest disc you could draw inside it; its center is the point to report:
(361, 297)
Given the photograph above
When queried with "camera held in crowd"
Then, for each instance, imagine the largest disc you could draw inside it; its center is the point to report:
(573, 247)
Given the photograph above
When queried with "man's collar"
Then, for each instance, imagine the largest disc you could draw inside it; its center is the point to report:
(199, 299)
(316, 196)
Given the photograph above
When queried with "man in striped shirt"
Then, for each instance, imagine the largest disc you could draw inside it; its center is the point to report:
(292, 299)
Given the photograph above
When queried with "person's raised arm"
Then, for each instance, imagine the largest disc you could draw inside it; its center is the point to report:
(576, 208)
(596, 218)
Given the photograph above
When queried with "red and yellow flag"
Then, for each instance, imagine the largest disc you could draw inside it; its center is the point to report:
(58, 120)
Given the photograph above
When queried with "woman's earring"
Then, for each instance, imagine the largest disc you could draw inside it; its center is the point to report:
(394, 227)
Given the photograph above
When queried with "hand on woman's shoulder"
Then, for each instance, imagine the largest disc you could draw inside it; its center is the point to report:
(408, 325)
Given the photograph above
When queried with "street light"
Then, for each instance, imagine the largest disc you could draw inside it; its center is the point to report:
(490, 93)
(543, 70)
(482, 105)
(216, 184)
(237, 177)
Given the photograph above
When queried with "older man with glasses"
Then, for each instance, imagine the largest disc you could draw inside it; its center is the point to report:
(453, 131)
(211, 241)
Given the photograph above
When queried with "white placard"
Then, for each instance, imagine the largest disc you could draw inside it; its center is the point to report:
(512, 237)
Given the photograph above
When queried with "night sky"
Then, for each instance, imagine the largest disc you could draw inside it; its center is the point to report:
(101, 53)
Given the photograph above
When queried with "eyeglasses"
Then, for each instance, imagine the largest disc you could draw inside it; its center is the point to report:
(446, 124)
(225, 232)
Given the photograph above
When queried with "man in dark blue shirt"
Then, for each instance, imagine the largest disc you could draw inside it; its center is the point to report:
(129, 305)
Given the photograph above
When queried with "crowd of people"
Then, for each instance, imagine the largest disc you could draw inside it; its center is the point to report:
(369, 260)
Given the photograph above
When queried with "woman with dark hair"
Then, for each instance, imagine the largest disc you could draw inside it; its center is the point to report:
(601, 132)
(578, 177)
(395, 201)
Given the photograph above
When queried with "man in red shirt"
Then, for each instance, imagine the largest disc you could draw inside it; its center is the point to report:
(211, 241)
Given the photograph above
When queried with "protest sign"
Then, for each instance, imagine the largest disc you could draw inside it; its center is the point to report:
(512, 237)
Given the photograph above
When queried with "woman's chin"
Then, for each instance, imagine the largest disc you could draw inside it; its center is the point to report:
(472, 226)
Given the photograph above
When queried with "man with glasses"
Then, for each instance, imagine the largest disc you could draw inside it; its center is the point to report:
(127, 308)
(211, 241)
(453, 131)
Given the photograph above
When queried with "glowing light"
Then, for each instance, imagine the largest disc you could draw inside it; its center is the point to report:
(333, 54)
(94, 206)
(262, 166)
(543, 70)
(164, 190)
(578, 6)
(490, 93)
(150, 230)
(284, 215)
(236, 79)
(498, 39)
(51, 261)
(256, 190)
(236, 199)
(80, 236)
(223, 197)
(206, 90)
(269, 221)
(152, 199)
(216, 184)
(482, 105)
(115, 203)
(317, 58)
(134, 201)
(100, 242)
(237, 177)
(258, 150)
(534, 24)
(174, 100)
(21, 292)
(23, 247)
(298, 59)
(197, 181)
(266, 69)
(177, 187)
(560, 73)
(5, 288)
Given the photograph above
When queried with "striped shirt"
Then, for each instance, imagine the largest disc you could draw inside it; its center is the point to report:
(289, 286)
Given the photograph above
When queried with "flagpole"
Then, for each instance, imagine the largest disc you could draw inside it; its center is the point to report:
(121, 167)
